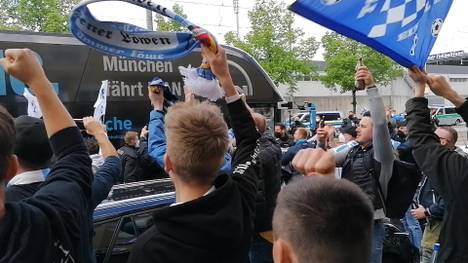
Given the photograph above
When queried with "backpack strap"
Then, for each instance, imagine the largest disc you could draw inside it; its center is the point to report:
(373, 173)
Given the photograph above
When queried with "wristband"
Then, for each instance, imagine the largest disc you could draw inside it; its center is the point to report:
(427, 213)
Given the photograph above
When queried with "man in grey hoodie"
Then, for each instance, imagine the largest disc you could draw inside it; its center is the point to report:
(370, 163)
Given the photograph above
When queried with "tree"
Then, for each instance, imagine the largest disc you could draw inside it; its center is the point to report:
(276, 44)
(36, 15)
(341, 56)
(165, 24)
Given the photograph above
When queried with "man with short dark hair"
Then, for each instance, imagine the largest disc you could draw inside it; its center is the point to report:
(448, 138)
(54, 224)
(8, 161)
(370, 163)
(351, 120)
(34, 154)
(282, 136)
(321, 219)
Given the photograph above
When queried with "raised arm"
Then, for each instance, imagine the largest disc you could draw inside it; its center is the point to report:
(243, 164)
(446, 169)
(108, 174)
(383, 151)
(23, 64)
(96, 129)
(67, 190)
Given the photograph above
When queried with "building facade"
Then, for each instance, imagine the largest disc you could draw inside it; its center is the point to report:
(394, 95)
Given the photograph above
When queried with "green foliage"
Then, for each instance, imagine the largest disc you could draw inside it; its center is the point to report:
(341, 56)
(276, 44)
(168, 25)
(36, 15)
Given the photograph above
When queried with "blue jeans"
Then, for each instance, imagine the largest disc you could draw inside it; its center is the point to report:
(261, 251)
(412, 226)
(378, 236)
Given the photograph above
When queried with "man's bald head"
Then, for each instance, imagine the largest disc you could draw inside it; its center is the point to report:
(260, 122)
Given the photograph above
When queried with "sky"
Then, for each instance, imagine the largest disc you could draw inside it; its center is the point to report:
(218, 17)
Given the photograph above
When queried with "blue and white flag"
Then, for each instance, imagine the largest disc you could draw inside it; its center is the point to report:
(404, 30)
(134, 42)
(101, 102)
(33, 105)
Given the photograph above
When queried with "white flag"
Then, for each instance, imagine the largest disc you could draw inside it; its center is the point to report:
(33, 105)
(101, 102)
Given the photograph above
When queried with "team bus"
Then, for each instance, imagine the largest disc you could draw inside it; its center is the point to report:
(76, 72)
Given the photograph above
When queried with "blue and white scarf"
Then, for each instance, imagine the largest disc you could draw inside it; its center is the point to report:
(134, 42)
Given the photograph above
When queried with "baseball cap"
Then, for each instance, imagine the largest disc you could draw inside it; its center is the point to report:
(351, 130)
(32, 143)
(157, 81)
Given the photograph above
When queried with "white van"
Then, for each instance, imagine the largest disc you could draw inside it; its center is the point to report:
(334, 118)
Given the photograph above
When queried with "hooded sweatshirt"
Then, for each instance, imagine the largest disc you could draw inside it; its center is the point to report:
(218, 226)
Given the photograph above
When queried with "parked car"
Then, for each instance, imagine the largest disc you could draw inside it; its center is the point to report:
(445, 115)
(334, 118)
(125, 215)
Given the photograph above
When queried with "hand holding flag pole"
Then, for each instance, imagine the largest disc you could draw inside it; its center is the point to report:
(101, 102)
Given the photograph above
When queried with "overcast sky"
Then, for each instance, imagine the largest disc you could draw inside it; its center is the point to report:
(218, 17)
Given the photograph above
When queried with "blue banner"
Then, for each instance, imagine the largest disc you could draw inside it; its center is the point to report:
(404, 30)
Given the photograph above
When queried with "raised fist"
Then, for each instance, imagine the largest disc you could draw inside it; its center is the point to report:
(311, 162)
(23, 65)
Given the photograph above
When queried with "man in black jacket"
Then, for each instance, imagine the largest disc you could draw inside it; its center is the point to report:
(150, 168)
(268, 188)
(370, 163)
(447, 170)
(54, 224)
(212, 219)
(131, 169)
(281, 135)
(34, 153)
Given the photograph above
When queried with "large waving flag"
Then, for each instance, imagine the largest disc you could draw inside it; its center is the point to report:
(404, 30)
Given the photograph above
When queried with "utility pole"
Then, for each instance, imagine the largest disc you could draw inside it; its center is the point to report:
(149, 19)
(236, 11)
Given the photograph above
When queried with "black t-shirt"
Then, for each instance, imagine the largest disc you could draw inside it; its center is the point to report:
(53, 225)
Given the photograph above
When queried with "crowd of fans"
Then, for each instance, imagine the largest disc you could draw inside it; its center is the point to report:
(323, 198)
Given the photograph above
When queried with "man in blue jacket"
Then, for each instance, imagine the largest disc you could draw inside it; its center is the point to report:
(300, 142)
(157, 137)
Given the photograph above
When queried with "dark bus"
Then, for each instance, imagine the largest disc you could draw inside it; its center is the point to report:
(76, 72)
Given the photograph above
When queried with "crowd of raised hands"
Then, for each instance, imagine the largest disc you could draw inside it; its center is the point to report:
(213, 217)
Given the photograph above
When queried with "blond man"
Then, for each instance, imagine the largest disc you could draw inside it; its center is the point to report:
(212, 219)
